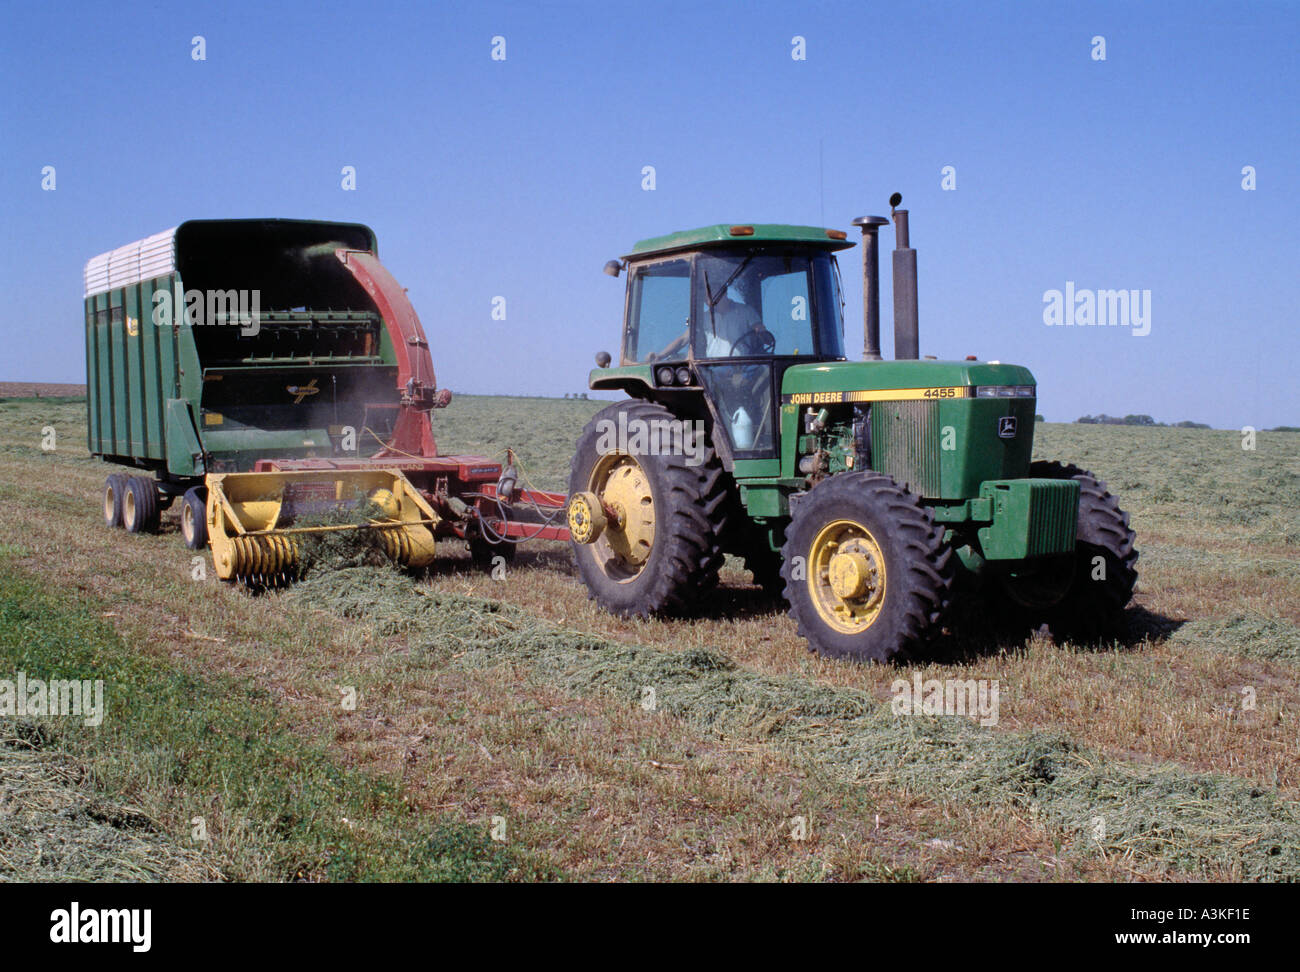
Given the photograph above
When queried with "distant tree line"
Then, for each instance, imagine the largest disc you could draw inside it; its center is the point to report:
(1105, 419)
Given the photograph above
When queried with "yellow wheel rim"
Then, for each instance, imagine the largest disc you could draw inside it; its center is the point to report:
(128, 508)
(846, 576)
(110, 501)
(187, 523)
(623, 488)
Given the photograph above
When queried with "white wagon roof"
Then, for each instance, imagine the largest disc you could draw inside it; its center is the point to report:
(143, 260)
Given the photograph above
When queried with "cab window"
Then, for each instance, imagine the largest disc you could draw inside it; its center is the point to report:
(659, 310)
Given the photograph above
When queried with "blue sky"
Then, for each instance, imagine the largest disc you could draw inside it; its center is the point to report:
(519, 178)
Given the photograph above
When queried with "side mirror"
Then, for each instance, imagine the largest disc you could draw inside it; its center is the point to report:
(613, 268)
(602, 359)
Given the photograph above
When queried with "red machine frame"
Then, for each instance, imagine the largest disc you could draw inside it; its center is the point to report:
(471, 493)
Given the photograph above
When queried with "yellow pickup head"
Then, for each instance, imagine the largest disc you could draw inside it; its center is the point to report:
(256, 520)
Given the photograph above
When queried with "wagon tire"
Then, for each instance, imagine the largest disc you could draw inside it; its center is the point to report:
(140, 505)
(194, 517)
(114, 486)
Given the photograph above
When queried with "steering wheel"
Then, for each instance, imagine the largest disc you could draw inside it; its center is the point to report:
(758, 341)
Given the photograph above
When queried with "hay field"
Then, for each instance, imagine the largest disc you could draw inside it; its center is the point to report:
(500, 729)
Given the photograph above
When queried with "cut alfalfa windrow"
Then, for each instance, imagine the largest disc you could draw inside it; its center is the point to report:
(1198, 823)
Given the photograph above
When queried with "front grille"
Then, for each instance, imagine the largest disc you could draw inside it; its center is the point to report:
(905, 444)
(1053, 516)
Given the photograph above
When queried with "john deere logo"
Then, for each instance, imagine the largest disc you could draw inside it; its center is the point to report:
(132, 325)
(302, 391)
(1007, 427)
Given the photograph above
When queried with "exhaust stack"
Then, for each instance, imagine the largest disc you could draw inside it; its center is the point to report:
(907, 340)
(870, 285)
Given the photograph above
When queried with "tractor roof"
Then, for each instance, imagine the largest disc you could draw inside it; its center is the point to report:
(723, 234)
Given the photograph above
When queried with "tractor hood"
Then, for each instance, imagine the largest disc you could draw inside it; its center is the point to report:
(848, 381)
(941, 428)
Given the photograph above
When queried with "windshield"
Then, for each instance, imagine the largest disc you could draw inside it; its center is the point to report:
(767, 303)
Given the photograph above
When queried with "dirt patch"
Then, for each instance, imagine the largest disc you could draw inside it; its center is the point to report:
(41, 389)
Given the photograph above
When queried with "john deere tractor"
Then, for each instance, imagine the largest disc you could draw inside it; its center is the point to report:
(858, 490)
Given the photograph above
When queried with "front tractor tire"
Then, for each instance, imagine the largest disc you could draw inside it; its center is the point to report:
(1081, 596)
(867, 574)
(655, 546)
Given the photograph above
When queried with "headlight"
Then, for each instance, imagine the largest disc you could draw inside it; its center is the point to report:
(1005, 391)
(683, 375)
(664, 375)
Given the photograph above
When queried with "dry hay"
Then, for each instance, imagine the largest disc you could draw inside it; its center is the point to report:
(1247, 635)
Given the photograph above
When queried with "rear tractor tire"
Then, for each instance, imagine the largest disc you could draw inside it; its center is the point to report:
(868, 576)
(114, 487)
(140, 505)
(652, 521)
(1082, 595)
(194, 517)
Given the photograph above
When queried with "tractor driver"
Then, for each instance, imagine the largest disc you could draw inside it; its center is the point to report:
(733, 328)
(728, 327)
(732, 321)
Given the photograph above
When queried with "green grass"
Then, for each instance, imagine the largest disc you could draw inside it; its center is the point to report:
(276, 806)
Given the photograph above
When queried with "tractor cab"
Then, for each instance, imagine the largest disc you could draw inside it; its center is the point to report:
(728, 309)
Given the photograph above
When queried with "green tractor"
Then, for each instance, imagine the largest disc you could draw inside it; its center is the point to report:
(858, 490)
